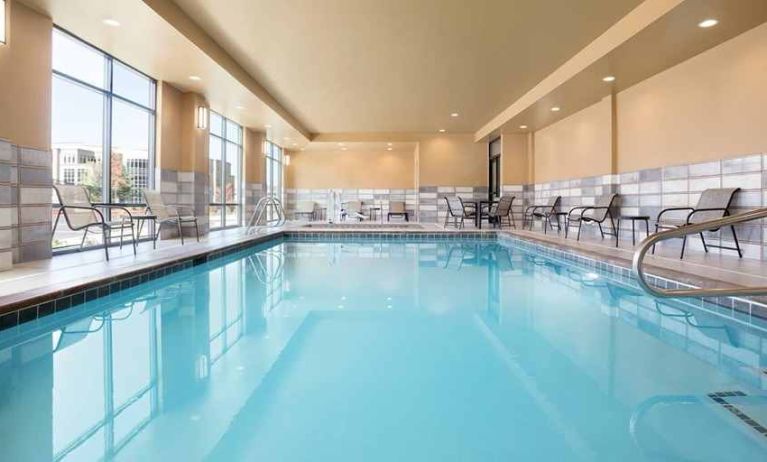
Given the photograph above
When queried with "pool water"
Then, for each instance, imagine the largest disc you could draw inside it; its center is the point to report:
(383, 351)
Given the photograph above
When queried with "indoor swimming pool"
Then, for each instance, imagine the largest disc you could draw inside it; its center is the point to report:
(385, 350)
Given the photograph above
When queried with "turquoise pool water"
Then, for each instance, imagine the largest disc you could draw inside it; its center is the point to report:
(384, 351)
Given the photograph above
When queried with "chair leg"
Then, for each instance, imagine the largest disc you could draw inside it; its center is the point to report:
(106, 239)
(684, 243)
(82, 242)
(580, 224)
(703, 240)
(737, 245)
(180, 231)
(196, 229)
(157, 235)
(133, 239)
(601, 231)
(55, 223)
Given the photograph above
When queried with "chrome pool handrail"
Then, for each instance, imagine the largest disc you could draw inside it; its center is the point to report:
(258, 214)
(647, 243)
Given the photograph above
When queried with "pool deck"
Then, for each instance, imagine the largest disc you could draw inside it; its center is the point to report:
(27, 282)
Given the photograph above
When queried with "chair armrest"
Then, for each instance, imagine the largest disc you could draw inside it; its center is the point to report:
(116, 206)
(714, 209)
(574, 209)
(82, 207)
(672, 209)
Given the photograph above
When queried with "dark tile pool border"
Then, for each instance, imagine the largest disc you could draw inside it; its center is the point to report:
(40, 305)
(734, 304)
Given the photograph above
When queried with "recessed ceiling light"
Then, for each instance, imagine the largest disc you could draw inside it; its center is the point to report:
(555, 109)
(111, 22)
(442, 130)
(286, 138)
(340, 144)
(194, 77)
(523, 127)
(295, 144)
(389, 149)
(303, 149)
(706, 23)
(388, 144)
(343, 149)
(241, 107)
(454, 114)
(609, 78)
(267, 126)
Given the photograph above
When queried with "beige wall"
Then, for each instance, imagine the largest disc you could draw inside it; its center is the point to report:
(25, 79)
(514, 159)
(709, 107)
(194, 141)
(453, 160)
(169, 103)
(254, 156)
(350, 169)
(578, 146)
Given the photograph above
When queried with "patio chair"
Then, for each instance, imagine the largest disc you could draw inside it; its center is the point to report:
(458, 211)
(713, 204)
(81, 214)
(502, 211)
(397, 209)
(598, 213)
(169, 215)
(305, 208)
(542, 211)
(352, 209)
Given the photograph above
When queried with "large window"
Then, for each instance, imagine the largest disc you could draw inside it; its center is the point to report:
(103, 122)
(225, 172)
(274, 158)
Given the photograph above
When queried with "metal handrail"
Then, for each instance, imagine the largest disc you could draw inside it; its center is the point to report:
(261, 207)
(684, 230)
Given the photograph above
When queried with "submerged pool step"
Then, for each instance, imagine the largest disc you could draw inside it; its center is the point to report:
(720, 398)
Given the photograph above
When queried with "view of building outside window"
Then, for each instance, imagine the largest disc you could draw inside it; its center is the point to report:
(225, 172)
(100, 105)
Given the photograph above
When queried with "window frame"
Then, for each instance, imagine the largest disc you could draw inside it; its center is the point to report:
(109, 96)
(222, 138)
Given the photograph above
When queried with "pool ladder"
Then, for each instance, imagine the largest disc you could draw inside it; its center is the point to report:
(260, 218)
(686, 230)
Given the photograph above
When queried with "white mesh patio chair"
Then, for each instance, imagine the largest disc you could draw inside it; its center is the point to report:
(397, 209)
(80, 214)
(304, 208)
(713, 203)
(170, 215)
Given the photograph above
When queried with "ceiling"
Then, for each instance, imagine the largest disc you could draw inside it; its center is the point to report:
(401, 65)
(673, 38)
(378, 71)
(149, 43)
(361, 146)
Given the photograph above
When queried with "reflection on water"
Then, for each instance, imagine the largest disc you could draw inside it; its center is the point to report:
(162, 370)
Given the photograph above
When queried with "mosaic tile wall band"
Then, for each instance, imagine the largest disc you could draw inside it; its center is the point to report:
(368, 197)
(647, 192)
(432, 207)
(25, 204)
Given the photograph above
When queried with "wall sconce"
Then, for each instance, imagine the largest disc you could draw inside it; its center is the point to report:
(202, 117)
(3, 21)
(287, 160)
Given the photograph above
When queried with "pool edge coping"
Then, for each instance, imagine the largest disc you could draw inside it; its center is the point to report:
(33, 304)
